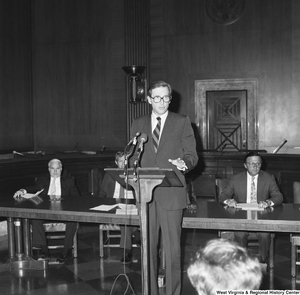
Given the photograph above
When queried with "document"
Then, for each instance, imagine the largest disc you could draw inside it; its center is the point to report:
(121, 209)
(29, 196)
(104, 207)
(249, 206)
(127, 209)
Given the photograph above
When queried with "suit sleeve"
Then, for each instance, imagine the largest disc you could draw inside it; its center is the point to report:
(104, 187)
(227, 193)
(40, 183)
(107, 187)
(73, 189)
(188, 143)
(274, 192)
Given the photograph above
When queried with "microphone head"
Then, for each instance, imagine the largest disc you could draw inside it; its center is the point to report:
(144, 137)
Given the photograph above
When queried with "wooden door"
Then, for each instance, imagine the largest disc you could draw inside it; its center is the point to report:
(227, 120)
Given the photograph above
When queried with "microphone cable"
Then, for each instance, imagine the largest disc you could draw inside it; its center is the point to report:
(124, 274)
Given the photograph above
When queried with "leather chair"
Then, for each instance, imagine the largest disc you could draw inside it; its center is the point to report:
(295, 238)
(252, 238)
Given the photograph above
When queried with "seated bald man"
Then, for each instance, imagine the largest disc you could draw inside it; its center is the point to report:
(58, 185)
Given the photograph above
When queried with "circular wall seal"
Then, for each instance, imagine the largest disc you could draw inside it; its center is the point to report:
(224, 12)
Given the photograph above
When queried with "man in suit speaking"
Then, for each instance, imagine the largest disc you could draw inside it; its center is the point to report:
(53, 185)
(171, 144)
(253, 186)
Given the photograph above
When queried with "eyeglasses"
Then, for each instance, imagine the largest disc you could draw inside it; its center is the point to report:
(166, 98)
(253, 164)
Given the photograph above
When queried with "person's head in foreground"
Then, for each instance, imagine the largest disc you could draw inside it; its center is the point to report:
(224, 265)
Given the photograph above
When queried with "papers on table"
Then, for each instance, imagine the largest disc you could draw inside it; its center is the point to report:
(29, 196)
(249, 206)
(122, 209)
(127, 209)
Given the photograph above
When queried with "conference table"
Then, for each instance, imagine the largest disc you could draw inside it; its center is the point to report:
(208, 215)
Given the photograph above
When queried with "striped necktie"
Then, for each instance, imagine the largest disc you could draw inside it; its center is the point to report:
(253, 198)
(156, 133)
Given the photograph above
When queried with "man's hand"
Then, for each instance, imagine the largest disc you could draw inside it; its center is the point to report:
(230, 202)
(20, 193)
(265, 204)
(179, 164)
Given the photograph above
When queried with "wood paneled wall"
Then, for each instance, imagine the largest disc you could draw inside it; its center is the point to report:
(61, 77)
(79, 90)
(15, 76)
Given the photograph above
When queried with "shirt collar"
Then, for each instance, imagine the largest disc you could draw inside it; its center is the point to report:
(163, 117)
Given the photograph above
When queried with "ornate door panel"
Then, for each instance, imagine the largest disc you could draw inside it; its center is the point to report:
(226, 120)
(229, 115)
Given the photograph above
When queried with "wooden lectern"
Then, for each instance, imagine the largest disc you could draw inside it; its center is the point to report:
(144, 180)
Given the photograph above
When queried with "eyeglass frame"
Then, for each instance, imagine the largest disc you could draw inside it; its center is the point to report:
(253, 164)
(161, 98)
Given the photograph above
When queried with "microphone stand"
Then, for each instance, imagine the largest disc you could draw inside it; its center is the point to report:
(128, 155)
(136, 163)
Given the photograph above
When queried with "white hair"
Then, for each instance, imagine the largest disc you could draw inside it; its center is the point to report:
(55, 161)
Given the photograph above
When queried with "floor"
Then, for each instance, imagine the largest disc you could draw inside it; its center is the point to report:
(90, 275)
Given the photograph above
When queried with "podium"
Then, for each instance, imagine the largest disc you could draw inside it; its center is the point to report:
(144, 180)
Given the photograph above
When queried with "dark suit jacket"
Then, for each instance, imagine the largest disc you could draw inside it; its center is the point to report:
(266, 188)
(108, 186)
(68, 187)
(177, 141)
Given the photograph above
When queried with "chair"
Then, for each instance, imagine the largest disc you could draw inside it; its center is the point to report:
(55, 231)
(294, 238)
(252, 238)
(112, 232)
(203, 186)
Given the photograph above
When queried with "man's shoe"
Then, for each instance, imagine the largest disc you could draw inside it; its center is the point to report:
(126, 259)
(62, 259)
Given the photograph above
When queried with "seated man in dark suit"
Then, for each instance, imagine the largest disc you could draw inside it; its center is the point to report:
(253, 186)
(112, 189)
(52, 185)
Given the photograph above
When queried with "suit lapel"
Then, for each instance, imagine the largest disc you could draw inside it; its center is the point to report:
(62, 186)
(168, 127)
(260, 184)
(244, 185)
(148, 127)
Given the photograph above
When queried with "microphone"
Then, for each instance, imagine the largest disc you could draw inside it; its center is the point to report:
(132, 143)
(284, 141)
(134, 139)
(143, 140)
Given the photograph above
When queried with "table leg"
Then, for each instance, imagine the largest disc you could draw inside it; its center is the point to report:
(11, 237)
(26, 237)
(22, 260)
(18, 233)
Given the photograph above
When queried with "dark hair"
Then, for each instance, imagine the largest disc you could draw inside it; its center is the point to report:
(252, 154)
(157, 84)
(118, 155)
(224, 265)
